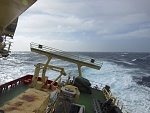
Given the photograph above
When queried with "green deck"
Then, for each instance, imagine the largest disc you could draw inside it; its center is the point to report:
(84, 99)
(10, 94)
(87, 99)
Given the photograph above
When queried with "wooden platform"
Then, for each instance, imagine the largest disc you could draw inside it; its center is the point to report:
(30, 101)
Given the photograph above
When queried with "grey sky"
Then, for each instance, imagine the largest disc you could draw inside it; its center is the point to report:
(86, 25)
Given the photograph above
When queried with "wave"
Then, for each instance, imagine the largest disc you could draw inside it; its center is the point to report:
(146, 58)
(119, 72)
(142, 80)
(125, 62)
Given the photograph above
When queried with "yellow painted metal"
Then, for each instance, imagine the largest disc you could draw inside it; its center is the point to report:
(77, 92)
(45, 68)
(65, 59)
(116, 102)
(55, 68)
(79, 69)
(39, 85)
(30, 101)
(39, 66)
(56, 79)
(36, 74)
(109, 95)
(54, 53)
(59, 81)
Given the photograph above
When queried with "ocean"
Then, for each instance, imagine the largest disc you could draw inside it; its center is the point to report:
(128, 74)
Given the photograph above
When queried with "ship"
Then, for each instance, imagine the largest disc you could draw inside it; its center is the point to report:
(37, 93)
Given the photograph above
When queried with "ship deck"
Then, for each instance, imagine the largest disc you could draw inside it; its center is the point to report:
(84, 99)
(87, 99)
(11, 94)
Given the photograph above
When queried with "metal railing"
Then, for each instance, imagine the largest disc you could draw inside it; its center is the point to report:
(58, 52)
(108, 95)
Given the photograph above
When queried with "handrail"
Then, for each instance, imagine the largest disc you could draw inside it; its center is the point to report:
(11, 84)
(109, 95)
(84, 59)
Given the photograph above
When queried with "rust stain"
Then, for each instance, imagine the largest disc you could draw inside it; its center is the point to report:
(35, 111)
(19, 104)
(11, 109)
(28, 98)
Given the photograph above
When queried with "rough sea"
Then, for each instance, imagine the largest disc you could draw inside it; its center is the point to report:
(128, 74)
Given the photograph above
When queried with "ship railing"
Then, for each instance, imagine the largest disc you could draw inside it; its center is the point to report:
(109, 94)
(52, 103)
(12, 84)
(58, 52)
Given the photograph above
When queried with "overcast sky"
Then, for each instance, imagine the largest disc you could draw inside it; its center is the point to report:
(86, 25)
